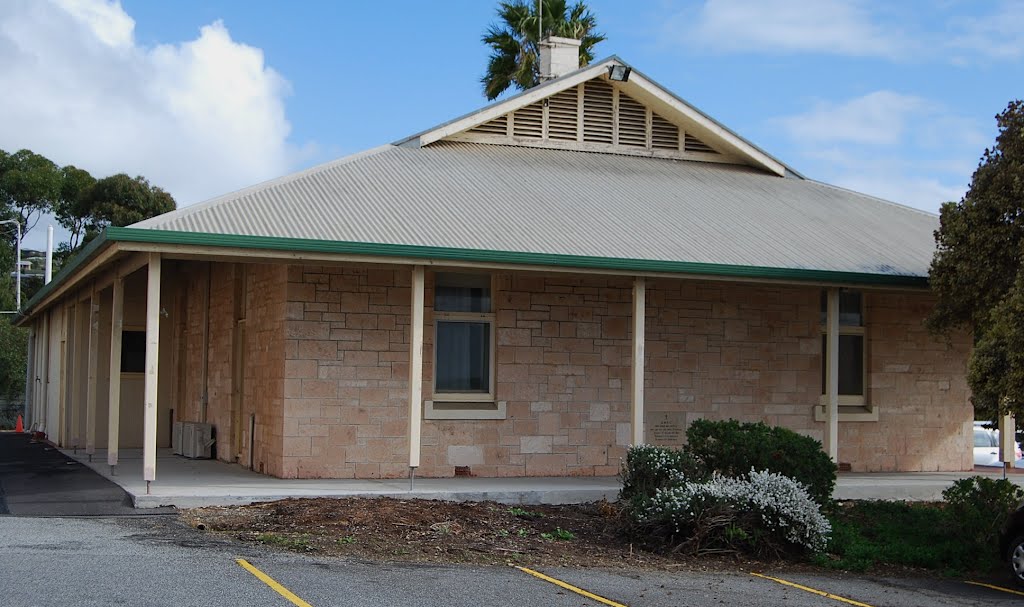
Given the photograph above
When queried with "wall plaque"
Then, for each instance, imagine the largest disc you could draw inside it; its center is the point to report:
(666, 429)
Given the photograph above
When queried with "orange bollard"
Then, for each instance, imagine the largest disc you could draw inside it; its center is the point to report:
(19, 426)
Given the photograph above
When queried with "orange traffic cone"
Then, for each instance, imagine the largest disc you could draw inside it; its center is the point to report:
(19, 426)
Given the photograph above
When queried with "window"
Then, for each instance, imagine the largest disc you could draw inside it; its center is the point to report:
(463, 338)
(133, 351)
(852, 375)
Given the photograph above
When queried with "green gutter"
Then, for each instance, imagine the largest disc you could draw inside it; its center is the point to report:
(272, 243)
(508, 257)
(79, 259)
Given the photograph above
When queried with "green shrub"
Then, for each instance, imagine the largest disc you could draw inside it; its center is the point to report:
(734, 449)
(648, 468)
(979, 508)
(873, 533)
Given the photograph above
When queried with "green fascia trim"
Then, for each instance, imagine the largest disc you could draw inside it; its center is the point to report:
(508, 257)
(70, 267)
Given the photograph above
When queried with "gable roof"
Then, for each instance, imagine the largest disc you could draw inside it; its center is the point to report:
(435, 198)
(646, 90)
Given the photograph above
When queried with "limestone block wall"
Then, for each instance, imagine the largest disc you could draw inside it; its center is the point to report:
(752, 353)
(256, 293)
(218, 362)
(265, 367)
(563, 353)
(745, 352)
(713, 350)
(347, 353)
(918, 383)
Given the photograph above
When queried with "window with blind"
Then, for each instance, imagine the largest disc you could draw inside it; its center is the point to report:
(463, 338)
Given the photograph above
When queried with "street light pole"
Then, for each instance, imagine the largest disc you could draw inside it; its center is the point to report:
(17, 266)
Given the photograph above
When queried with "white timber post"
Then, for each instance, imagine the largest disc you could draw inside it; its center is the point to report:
(93, 363)
(832, 377)
(415, 371)
(1007, 440)
(114, 405)
(637, 400)
(152, 369)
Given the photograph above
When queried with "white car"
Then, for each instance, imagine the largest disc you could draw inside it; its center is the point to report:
(986, 446)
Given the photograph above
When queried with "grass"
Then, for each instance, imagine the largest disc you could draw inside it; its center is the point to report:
(558, 534)
(869, 534)
(524, 514)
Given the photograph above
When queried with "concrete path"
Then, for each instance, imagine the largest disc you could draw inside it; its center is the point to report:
(190, 483)
(38, 480)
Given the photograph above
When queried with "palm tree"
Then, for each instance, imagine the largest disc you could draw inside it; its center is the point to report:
(513, 41)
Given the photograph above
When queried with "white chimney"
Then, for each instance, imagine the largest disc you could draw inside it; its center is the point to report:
(558, 56)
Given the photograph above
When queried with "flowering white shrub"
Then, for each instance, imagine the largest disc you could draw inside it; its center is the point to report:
(763, 505)
(648, 468)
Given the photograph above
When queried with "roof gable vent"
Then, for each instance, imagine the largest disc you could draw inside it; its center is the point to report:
(595, 116)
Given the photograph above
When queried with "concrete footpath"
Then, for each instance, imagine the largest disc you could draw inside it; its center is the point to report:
(192, 483)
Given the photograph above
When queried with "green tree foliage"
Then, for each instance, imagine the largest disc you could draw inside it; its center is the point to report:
(513, 41)
(32, 185)
(977, 274)
(29, 185)
(73, 209)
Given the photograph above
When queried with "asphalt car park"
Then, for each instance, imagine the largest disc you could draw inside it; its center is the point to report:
(160, 561)
(69, 538)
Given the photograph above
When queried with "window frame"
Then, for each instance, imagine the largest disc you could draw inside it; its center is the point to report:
(852, 407)
(484, 398)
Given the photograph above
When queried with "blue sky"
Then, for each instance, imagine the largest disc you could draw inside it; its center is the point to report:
(894, 99)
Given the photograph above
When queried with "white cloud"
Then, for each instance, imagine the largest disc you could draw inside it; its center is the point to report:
(900, 147)
(876, 118)
(198, 118)
(997, 35)
(787, 26)
(974, 33)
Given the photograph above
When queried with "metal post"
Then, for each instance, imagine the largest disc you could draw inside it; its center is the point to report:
(48, 272)
(17, 272)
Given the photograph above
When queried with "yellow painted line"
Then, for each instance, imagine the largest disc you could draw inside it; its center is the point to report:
(269, 581)
(1017, 592)
(570, 587)
(827, 595)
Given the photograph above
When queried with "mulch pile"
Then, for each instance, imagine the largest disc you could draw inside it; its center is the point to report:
(385, 529)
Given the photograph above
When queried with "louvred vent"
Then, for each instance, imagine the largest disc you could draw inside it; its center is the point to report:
(498, 126)
(632, 122)
(610, 120)
(563, 115)
(529, 121)
(664, 134)
(597, 112)
(692, 144)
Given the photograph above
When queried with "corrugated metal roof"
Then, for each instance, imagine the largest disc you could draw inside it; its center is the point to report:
(505, 198)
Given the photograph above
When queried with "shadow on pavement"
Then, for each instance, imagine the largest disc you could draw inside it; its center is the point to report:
(38, 480)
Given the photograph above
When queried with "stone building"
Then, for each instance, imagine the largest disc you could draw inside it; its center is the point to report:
(522, 291)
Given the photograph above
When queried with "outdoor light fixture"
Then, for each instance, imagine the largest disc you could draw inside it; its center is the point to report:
(619, 73)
